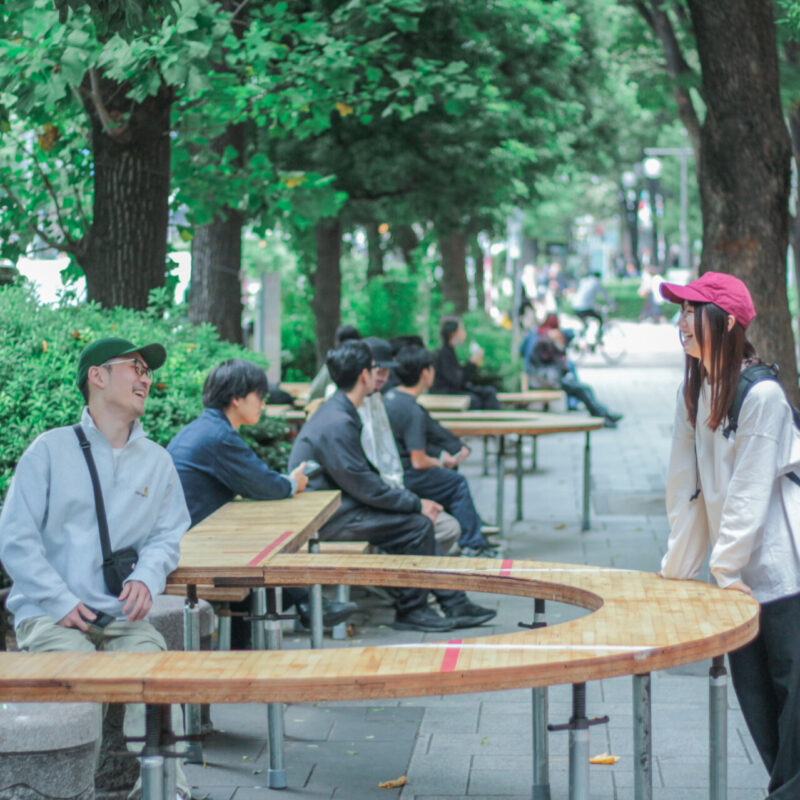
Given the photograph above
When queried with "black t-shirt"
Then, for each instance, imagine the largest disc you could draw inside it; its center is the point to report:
(409, 423)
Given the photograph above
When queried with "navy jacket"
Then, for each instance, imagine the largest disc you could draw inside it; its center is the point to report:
(215, 464)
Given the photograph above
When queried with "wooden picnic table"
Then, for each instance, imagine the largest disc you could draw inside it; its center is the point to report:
(234, 546)
(444, 402)
(530, 396)
(531, 423)
(638, 623)
(296, 389)
(293, 416)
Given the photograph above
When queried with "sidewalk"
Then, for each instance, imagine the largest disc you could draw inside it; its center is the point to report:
(478, 746)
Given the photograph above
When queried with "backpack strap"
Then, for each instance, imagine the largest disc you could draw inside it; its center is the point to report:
(748, 378)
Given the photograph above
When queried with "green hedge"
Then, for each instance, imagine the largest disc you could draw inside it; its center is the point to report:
(39, 349)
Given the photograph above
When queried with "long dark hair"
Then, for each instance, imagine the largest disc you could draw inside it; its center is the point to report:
(729, 351)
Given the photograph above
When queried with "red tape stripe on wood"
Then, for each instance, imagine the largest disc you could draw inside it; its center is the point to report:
(267, 550)
(451, 656)
(505, 567)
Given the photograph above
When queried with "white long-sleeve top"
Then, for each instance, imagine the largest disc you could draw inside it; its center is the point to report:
(49, 539)
(733, 495)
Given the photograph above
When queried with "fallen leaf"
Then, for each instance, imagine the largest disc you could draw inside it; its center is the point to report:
(484, 741)
(559, 527)
(395, 784)
(351, 752)
(604, 758)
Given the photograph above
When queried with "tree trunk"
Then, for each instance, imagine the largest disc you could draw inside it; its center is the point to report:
(745, 165)
(374, 251)
(406, 239)
(327, 284)
(124, 253)
(215, 293)
(480, 273)
(455, 289)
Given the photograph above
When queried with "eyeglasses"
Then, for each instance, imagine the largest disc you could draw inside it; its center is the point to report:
(139, 366)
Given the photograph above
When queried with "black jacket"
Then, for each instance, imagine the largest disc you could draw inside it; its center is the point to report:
(451, 377)
(332, 437)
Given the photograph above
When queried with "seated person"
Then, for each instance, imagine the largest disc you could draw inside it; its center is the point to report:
(379, 445)
(215, 464)
(451, 377)
(394, 519)
(548, 369)
(322, 380)
(427, 475)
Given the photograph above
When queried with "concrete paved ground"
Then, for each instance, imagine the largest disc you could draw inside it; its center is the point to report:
(478, 746)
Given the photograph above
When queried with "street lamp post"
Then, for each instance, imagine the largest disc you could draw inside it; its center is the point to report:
(652, 170)
(630, 199)
(683, 153)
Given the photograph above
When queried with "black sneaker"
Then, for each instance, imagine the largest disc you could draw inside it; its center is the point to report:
(423, 619)
(487, 551)
(333, 612)
(468, 615)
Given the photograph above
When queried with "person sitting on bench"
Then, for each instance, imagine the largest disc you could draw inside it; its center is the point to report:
(392, 518)
(429, 475)
(80, 492)
(215, 464)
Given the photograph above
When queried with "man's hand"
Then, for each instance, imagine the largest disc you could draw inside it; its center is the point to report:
(137, 599)
(299, 477)
(448, 461)
(740, 586)
(77, 618)
(462, 454)
(430, 509)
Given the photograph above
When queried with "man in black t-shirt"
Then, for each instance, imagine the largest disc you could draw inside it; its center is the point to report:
(425, 473)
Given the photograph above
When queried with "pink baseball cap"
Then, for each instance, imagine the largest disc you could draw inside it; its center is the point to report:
(724, 290)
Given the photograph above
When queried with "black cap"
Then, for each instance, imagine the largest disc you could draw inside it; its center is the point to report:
(381, 352)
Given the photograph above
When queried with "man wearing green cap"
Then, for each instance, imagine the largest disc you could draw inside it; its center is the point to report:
(50, 541)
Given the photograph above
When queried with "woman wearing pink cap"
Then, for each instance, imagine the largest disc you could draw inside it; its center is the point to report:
(733, 494)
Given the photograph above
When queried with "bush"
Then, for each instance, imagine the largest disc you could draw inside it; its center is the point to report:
(39, 349)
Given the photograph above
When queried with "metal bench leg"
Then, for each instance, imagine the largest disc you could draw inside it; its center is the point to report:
(276, 775)
(718, 729)
(501, 477)
(316, 604)
(158, 775)
(535, 453)
(342, 595)
(519, 479)
(579, 745)
(258, 608)
(224, 628)
(587, 483)
(191, 641)
(485, 456)
(541, 750)
(642, 739)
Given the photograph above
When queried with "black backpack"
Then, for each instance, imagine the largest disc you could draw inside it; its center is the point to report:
(749, 378)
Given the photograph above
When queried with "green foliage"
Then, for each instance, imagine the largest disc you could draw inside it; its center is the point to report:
(39, 348)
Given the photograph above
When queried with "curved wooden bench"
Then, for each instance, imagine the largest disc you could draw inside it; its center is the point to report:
(640, 623)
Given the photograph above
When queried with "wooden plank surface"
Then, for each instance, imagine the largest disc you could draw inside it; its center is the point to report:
(502, 415)
(296, 389)
(444, 402)
(290, 414)
(530, 396)
(534, 423)
(241, 537)
(638, 623)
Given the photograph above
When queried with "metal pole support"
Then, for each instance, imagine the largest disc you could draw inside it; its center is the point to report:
(718, 729)
(519, 479)
(587, 483)
(152, 758)
(316, 604)
(541, 750)
(191, 641)
(224, 628)
(258, 608)
(339, 631)
(579, 745)
(501, 479)
(485, 456)
(276, 774)
(642, 739)
(535, 453)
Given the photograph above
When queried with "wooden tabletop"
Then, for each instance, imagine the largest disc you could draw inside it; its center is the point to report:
(296, 389)
(496, 416)
(530, 396)
(238, 540)
(533, 423)
(289, 413)
(444, 402)
(638, 623)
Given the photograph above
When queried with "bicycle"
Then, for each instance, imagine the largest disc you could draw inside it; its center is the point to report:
(612, 347)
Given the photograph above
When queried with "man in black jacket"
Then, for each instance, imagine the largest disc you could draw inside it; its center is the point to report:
(396, 520)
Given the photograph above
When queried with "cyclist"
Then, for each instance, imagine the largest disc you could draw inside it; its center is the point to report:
(584, 301)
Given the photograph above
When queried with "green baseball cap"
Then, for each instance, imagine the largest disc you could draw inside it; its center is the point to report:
(103, 350)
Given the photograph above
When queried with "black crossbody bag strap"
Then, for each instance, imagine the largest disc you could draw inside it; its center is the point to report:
(102, 523)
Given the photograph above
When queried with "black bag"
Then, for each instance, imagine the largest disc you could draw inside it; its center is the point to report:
(750, 377)
(117, 565)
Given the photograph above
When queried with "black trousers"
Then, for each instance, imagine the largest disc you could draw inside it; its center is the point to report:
(241, 629)
(766, 677)
(397, 534)
(482, 397)
(450, 488)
